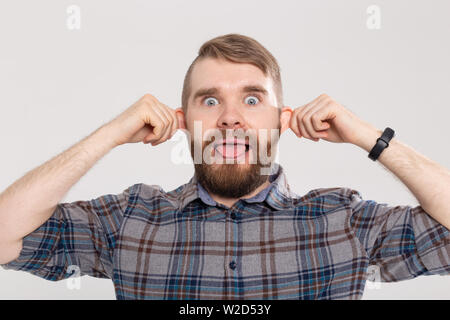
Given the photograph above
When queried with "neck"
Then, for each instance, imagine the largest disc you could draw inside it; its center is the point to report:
(230, 201)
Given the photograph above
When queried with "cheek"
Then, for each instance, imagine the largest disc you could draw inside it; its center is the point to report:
(199, 118)
(263, 120)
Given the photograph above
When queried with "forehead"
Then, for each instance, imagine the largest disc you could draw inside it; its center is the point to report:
(227, 75)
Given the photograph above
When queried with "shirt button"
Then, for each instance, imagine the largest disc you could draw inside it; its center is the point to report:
(233, 216)
(232, 265)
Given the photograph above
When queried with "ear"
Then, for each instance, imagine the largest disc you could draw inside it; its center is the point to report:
(285, 118)
(179, 113)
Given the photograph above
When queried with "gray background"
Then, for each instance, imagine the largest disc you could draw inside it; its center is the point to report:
(59, 85)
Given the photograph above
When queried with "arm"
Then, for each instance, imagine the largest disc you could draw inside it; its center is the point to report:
(326, 119)
(32, 199)
(426, 179)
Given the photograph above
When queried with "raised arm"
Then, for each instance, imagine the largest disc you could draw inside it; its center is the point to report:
(30, 201)
(324, 118)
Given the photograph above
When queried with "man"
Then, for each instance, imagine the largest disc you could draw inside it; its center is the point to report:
(235, 230)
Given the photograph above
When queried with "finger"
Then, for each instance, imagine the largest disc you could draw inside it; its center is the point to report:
(164, 110)
(166, 134)
(170, 114)
(163, 138)
(303, 123)
(294, 124)
(327, 113)
(300, 117)
(174, 121)
(295, 119)
(157, 123)
(301, 126)
(318, 123)
(298, 113)
(165, 121)
(310, 126)
(317, 119)
(176, 125)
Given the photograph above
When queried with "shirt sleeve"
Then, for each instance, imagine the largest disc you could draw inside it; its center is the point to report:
(78, 239)
(402, 241)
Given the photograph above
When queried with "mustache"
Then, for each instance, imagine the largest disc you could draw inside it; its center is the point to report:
(224, 134)
(249, 137)
(261, 144)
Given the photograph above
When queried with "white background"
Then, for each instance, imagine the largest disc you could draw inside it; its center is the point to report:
(59, 85)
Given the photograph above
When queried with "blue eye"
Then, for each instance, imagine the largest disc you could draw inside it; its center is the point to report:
(208, 102)
(253, 98)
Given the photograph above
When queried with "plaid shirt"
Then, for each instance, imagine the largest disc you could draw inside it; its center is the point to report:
(276, 245)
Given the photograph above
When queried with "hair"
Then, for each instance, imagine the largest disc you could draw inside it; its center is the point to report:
(239, 49)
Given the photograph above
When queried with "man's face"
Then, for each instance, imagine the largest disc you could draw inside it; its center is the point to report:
(233, 98)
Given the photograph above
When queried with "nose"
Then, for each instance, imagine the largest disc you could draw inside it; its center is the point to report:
(230, 119)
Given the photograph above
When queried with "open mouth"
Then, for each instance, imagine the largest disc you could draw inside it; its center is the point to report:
(232, 149)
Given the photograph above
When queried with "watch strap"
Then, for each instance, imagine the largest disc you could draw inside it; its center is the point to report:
(381, 144)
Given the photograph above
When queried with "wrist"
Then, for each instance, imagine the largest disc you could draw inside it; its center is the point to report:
(105, 136)
(368, 138)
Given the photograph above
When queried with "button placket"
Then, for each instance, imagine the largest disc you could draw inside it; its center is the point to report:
(228, 244)
(231, 263)
(233, 214)
(234, 217)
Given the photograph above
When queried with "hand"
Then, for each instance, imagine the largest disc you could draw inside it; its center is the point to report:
(324, 118)
(147, 120)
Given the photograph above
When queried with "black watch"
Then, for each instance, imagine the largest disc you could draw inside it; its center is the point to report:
(382, 143)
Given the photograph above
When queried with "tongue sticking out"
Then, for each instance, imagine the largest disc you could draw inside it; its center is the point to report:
(231, 150)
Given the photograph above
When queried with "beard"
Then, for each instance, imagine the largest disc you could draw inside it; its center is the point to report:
(232, 180)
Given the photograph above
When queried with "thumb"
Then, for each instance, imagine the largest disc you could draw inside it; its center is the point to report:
(181, 121)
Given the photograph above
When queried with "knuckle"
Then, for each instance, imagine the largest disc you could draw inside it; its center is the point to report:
(144, 107)
(149, 99)
(148, 96)
(145, 103)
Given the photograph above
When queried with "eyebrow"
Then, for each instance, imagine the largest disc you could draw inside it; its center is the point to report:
(214, 90)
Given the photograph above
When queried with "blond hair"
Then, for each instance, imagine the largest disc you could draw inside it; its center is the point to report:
(239, 49)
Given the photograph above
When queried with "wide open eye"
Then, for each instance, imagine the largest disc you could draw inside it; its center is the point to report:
(208, 101)
(252, 100)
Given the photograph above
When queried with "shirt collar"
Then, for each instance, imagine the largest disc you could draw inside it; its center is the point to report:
(278, 194)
